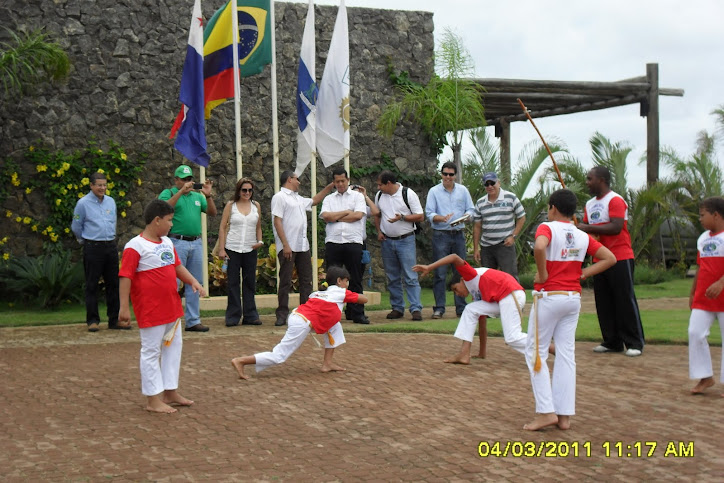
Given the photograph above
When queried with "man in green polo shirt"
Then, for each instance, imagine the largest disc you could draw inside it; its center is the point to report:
(186, 233)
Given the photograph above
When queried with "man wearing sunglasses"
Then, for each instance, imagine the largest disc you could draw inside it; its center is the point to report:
(499, 217)
(447, 202)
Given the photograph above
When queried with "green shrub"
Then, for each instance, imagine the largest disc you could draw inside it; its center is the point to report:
(647, 275)
(47, 280)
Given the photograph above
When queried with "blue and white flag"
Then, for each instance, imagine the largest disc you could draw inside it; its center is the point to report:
(333, 103)
(191, 139)
(306, 95)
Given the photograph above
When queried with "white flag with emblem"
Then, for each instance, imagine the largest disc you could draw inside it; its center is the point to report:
(333, 101)
(306, 95)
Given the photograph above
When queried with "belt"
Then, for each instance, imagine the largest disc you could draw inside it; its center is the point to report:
(99, 242)
(399, 237)
(183, 237)
(450, 231)
(556, 292)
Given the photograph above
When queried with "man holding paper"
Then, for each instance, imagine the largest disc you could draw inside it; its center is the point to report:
(448, 207)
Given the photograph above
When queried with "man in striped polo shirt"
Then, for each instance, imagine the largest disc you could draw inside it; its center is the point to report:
(499, 217)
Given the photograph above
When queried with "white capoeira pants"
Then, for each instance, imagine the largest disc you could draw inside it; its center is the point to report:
(160, 364)
(297, 330)
(509, 313)
(700, 322)
(556, 317)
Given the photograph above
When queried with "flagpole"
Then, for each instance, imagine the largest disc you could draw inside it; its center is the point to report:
(275, 121)
(237, 80)
(204, 237)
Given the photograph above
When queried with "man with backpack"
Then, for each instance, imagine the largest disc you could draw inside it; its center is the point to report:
(400, 211)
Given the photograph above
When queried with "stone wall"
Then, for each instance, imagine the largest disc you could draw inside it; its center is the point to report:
(127, 57)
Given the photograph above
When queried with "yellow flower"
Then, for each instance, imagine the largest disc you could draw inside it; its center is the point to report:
(28, 191)
(65, 166)
(41, 168)
(139, 181)
(100, 151)
(34, 227)
(128, 203)
(49, 228)
(67, 230)
(31, 149)
(57, 202)
(111, 185)
(80, 195)
(84, 181)
(44, 232)
(100, 170)
(83, 171)
(123, 214)
(121, 194)
(69, 186)
(123, 157)
(65, 191)
(117, 170)
(4, 240)
(18, 219)
(27, 220)
(53, 237)
(6, 256)
(14, 179)
(75, 186)
(8, 213)
(108, 191)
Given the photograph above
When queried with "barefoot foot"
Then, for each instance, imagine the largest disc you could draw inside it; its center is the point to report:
(705, 383)
(332, 368)
(541, 421)
(564, 422)
(239, 366)
(173, 397)
(479, 356)
(160, 407)
(458, 359)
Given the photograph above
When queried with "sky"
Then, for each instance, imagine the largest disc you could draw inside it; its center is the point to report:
(593, 40)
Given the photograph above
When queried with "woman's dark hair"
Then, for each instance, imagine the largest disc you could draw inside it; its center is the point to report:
(239, 184)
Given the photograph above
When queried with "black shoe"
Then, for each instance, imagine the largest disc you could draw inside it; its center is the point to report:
(280, 322)
(119, 327)
(251, 322)
(395, 314)
(417, 315)
(197, 328)
(361, 320)
(232, 324)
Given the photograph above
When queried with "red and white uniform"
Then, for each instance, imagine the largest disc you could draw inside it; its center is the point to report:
(602, 210)
(705, 310)
(151, 267)
(495, 294)
(555, 316)
(321, 313)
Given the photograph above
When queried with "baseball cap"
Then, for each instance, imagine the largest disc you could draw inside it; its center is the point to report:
(490, 176)
(183, 171)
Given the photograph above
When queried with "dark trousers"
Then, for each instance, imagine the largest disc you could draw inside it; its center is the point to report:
(500, 258)
(617, 308)
(101, 260)
(446, 242)
(303, 262)
(246, 264)
(349, 256)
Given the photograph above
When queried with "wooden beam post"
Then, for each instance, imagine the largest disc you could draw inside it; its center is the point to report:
(652, 125)
(503, 132)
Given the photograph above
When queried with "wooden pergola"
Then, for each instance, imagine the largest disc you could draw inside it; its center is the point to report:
(545, 98)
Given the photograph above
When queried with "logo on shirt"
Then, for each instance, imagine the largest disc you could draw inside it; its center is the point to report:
(165, 254)
(570, 239)
(711, 248)
(197, 203)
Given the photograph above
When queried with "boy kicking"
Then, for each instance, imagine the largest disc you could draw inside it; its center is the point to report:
(559, 251)
(706, 300)
(495, 294)
(148, 273)
(321, 314)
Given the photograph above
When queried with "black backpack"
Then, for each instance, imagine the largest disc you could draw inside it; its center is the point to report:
(418, 226)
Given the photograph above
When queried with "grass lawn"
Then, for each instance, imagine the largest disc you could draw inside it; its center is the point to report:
(660, 326)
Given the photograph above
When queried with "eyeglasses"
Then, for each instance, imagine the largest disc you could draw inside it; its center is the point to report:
(247, 190)
(448, 174)
(490, 183)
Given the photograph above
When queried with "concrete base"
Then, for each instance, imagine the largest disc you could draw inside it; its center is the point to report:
(270, 300)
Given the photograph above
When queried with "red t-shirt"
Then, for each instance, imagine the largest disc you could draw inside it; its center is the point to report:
(487, 284)
(711, 268)
(565, 252)
(151, 267)
(324, 309)
(603, 210)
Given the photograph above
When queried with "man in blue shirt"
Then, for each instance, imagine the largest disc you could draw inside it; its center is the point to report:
(94, 225)
(447, 202)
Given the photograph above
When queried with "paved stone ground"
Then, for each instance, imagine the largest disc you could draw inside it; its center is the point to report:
(71, 410)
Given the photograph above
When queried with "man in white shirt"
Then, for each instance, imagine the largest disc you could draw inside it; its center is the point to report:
(344, 211)
(400, 209)
(289, 221)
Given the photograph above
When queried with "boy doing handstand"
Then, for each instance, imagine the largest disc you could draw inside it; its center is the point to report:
(148, 273)
(321, 314)
(706, 300)
(495, 293)
(559, 251)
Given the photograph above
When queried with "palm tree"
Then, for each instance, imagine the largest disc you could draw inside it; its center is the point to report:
(448, 104)
(30, 59)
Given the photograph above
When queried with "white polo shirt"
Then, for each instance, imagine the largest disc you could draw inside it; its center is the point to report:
(343, 232)
(291, 208)
(391, 205)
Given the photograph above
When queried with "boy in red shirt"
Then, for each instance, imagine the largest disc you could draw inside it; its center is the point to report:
(559, 251)
(494, 293)
(148, 273)
(706, 300)
(321, 314)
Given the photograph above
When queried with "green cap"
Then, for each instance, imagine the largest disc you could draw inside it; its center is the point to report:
(183, 171)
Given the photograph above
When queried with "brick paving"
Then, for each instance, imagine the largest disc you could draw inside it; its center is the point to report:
(71, 410)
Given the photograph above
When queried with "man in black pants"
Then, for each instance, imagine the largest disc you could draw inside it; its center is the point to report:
(94, 225)
(344, 211)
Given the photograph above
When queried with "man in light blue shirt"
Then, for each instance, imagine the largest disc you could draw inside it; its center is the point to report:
(94, 225)
(446, 203)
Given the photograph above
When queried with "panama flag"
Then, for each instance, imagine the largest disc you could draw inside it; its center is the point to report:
(306, 95)
(191, 140)
(333, 103)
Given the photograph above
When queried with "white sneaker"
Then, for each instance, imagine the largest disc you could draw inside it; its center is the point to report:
(437, 315)
(601, 349)
(633, 352)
